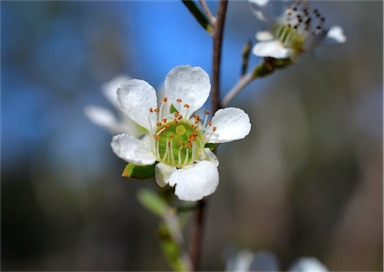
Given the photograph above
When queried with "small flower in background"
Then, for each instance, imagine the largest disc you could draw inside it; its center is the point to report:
(299, 29)
(106, 118)
(174, 138)
(245, 261)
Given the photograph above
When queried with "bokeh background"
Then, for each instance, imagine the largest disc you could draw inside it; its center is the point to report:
(307, 181)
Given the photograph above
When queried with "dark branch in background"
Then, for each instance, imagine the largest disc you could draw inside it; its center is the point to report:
(217, 36)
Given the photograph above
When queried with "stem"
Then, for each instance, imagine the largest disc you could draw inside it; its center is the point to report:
(243, 82)
(197, 235)
(217, 36)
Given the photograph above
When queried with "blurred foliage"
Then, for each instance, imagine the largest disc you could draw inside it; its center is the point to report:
(306, 182)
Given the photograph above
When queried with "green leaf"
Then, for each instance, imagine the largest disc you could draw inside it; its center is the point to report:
(199, 16)
(211, 146)
(152, 202)
(172, 250)
(173, 109)
(245, 57)
(139, 171)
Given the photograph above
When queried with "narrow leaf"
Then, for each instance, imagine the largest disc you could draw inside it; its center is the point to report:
(173, 250)
(199, 16)
(152, 202)
(211, 146)
(139, 171)
(245, 57)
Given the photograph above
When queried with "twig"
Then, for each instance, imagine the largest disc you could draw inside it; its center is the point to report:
(243, 82)
(217, 44)
(208, 12)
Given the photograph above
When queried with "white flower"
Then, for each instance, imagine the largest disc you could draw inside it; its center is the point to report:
(299, 29)
(174, 139)
(308, 264)
(105, 118)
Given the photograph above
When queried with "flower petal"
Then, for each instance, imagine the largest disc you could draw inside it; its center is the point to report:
(191, 85)
(231, 124)
(195, 182)
(262, 9)
(109, 89)
(334, 36)
(162, 173)
(274, 49)
(103, 118)
(264, 36)
(133, 150)
(136, 97)
(314, 40)
(208, 155)
(308, 264)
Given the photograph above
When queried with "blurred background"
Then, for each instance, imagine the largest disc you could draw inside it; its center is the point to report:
(307, 181)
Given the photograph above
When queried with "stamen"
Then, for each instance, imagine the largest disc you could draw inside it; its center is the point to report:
(186, 156)
(179, 155)
(172, 155)
(164, 100)
(166, 151)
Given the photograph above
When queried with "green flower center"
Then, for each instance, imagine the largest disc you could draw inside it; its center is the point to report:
(178, 143)
(289, 37)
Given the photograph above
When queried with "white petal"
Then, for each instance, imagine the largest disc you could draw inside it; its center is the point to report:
(103, 118)
(208, 155)
(109, 89)
(334, 36)
(231, 124)
(190, 84)
(264, 36)
(162, 173)
(136, 97)
(195, 182)
(308, 265)
(274, 49)
(263, 10)
(133, 150)
(314, 41)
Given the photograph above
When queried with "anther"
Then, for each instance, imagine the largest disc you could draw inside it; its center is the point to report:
(206, 112)
(176, 114)
(179, 100)
(186, 106)
(151, 109)
(209, 123)
(158, 124)
(214, 128)
(157, 137)
(156, 110)
(164, 120)
(165, 99)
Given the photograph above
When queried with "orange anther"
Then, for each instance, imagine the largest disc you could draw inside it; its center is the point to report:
(179, 100)
(151, 109)
(156, 110)
(186, 106)
(165, 99)
(206, 112)
(157, 137)
(164, 120)
(176, 113)
(158, 124)
(209, 123)
(214, 128)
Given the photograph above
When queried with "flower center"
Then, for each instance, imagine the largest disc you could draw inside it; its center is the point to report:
(178, 143)
(298, 24)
